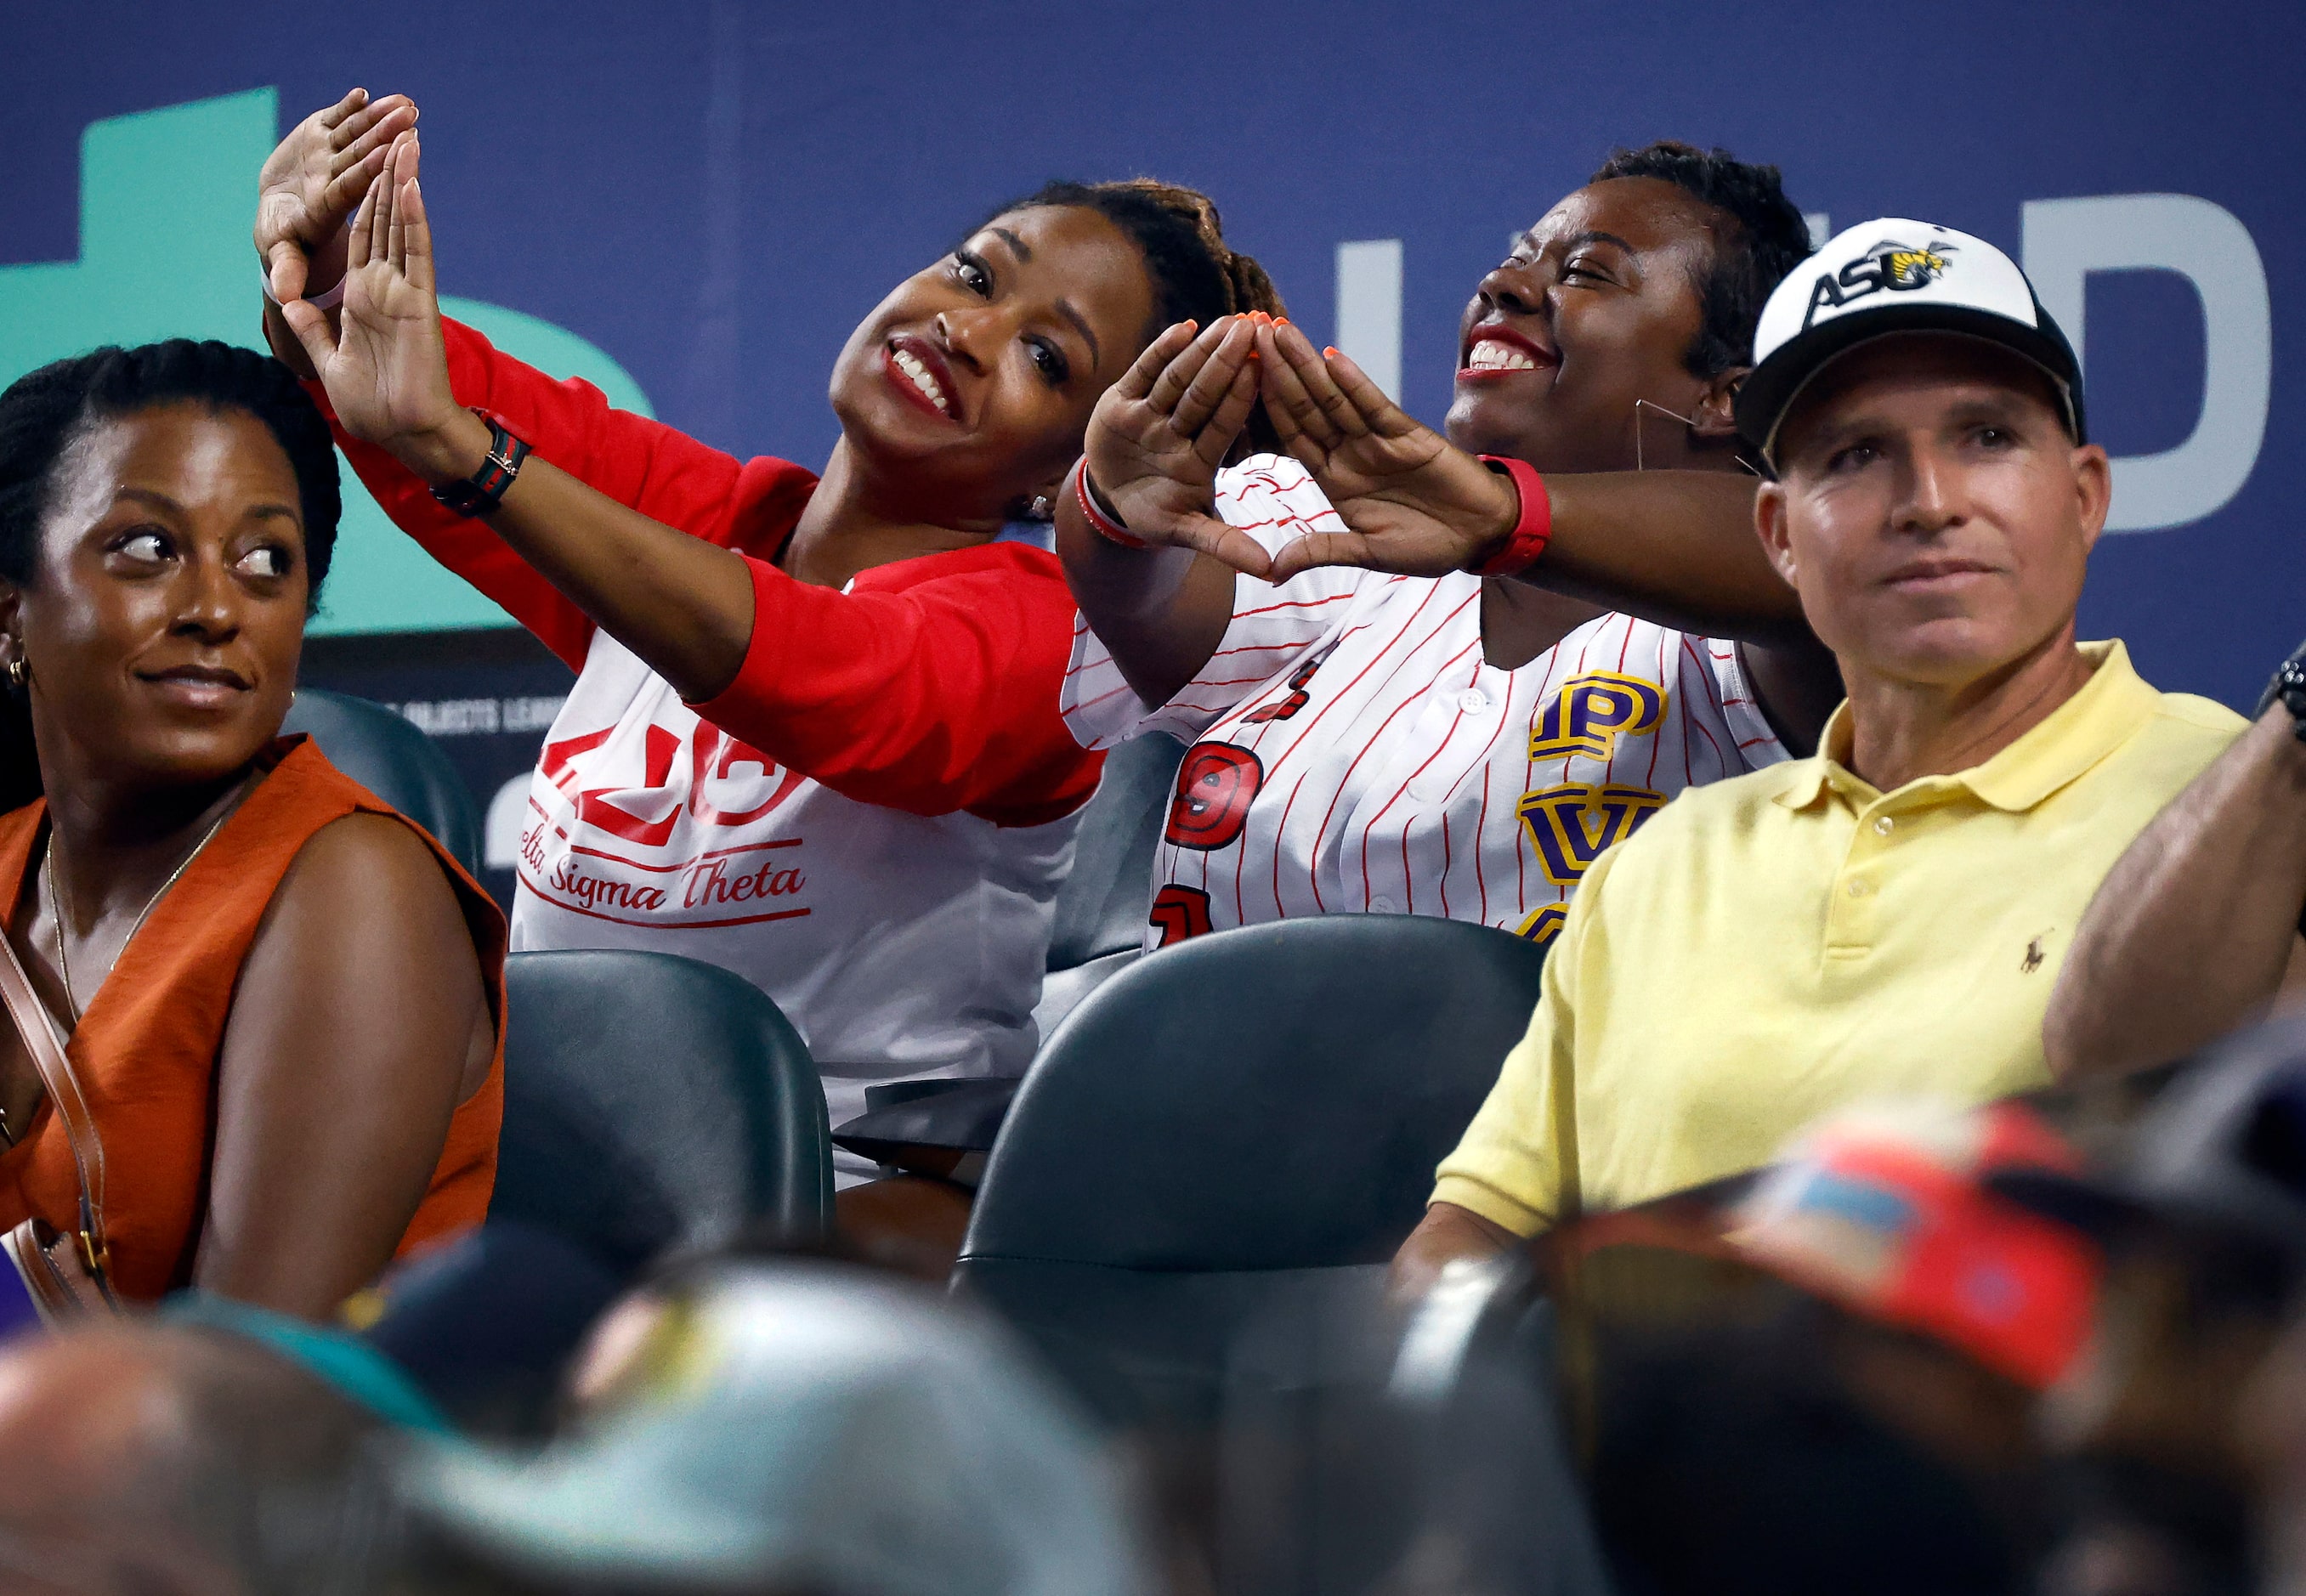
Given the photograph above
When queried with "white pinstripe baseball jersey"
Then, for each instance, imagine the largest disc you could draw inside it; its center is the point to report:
(1352, 751)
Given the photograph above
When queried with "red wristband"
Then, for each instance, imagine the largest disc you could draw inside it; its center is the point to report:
(1533, 527)
(1101, 523)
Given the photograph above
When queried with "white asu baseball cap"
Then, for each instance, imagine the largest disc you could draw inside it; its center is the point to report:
(1887, 276)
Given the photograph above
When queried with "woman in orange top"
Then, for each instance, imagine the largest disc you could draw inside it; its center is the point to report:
(281, 999)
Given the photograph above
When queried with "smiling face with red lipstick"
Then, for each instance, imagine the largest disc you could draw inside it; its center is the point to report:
(1600, 305)
(164, 611)
(973, 382)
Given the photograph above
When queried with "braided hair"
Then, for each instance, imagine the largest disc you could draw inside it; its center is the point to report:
(1196, 275)
(44, 411)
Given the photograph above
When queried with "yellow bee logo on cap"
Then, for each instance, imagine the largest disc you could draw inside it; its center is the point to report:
(1911, 268)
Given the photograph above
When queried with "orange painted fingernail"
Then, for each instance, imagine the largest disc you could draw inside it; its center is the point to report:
(1281, 322)
(1330, 354)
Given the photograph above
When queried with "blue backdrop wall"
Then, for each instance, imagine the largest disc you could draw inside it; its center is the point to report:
(692, 201)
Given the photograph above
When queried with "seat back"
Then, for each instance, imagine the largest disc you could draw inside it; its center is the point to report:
(1272, 1097)
(654, 1102)
(1101, 908)
(1223, 1120)
(394, 760)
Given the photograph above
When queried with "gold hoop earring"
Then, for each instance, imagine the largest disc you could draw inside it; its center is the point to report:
(19, 673)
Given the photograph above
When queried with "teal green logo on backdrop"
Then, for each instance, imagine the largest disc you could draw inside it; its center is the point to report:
(165, 199)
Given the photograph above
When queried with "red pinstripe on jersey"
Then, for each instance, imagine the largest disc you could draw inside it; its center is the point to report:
(1404, 726)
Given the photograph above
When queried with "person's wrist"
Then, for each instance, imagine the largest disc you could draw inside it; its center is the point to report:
(1495, 527)
(452, 451)
(1519, 535)
(1098, 511)
(2288, 689)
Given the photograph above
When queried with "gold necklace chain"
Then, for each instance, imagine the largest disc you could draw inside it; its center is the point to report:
(57, 902)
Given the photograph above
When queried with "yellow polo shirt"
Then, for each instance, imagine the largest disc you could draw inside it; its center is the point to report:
(1774, 946)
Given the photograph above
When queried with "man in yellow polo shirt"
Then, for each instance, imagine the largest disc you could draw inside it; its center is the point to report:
(1890, 915)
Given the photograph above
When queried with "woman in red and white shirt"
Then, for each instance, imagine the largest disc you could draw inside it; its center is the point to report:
(814, 735)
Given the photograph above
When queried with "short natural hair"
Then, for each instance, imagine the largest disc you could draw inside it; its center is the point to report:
(1771, 238)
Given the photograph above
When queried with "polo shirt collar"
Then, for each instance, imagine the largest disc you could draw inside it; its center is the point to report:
(2075, 735)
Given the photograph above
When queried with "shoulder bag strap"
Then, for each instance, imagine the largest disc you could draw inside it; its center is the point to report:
(34, 1024)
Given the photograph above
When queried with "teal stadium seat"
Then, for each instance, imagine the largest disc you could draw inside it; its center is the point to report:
(1096, 932)
(655, 1102)
(1227, 1121)
(394, 760)
(1100, 911)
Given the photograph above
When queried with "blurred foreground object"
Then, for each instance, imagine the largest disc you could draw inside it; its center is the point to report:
(1885, 1209)
(782, 1427)
(485, 1323)
(1371, 1448)
(2203, 1215)
(2222, 1152)
(141, 1457)
(1824, 1380)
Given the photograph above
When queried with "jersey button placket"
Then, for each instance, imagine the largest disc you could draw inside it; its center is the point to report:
(1469, 703)
(1853, 908)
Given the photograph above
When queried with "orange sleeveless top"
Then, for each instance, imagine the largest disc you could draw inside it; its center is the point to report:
(146, 1048)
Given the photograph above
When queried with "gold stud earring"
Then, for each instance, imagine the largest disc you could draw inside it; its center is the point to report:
(19, 673)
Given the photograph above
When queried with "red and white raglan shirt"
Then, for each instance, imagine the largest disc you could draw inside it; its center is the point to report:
(870, 824)
(1352, 750)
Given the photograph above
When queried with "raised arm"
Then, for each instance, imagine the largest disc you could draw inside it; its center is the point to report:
(360, 1023)
(2195, 931)
(311, 185)
(683, 604)
(1677, 548)
(932, 689)
(658, 471)
(1155, 442)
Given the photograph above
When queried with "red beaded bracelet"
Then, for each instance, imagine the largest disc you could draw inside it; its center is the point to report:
(1531, 530)
(1101, 523)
